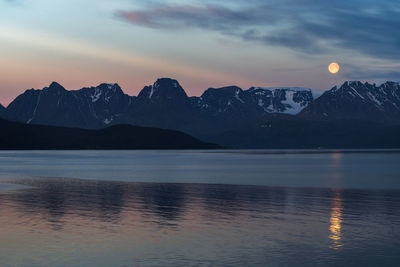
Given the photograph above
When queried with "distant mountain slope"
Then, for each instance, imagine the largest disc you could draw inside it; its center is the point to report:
(292, 133)
(357, 100)
(91, 108)
(2, 111)
(15, 135)
(164, 104)
(287, 100)
(256, 100)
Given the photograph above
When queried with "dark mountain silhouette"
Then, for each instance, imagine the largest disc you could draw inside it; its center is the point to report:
(90, 108)
(2, 111)
(257, 117)
(14, 135)
(163, 104)
(357, 100)
(297, 133)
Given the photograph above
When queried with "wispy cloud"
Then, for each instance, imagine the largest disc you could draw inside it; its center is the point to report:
(378, 72)
(308, 26)
(11, 1)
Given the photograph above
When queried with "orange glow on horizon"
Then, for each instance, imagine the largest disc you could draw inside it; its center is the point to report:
(76, 64)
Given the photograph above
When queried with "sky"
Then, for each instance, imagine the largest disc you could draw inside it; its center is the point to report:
(201, 43)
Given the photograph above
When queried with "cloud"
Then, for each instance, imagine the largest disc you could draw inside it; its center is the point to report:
(179, 17)
(307, 26)
(376, 72)
(11, 1)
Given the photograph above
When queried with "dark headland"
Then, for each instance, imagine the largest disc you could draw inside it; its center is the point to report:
(18, 136)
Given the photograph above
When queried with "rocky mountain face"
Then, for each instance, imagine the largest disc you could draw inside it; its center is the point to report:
(229, 115)
(256, 100)
(357, 100)
(281, 100)
(2, 111)
(91, 108)
(164, 104)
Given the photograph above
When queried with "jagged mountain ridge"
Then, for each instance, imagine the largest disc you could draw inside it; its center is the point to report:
(284, 100)
(90, 108)
(164, 104)
(289, 100)
(357, 100)
(106, 104)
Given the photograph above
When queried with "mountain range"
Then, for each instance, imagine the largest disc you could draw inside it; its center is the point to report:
(106, 104)
(253, 118)
(360, 101)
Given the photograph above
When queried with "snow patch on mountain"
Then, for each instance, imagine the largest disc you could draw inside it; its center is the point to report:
(315, 93)
(284, 88)
(151, 91)
(292, 107)
(96, 96)
(107, 121)
(286, 100)
(237, 96)
(111, 86)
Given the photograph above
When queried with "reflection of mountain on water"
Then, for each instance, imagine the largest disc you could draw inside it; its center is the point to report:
(100, 200)
(244, 224)
(53, 199)
(166, 201)
(235, 199)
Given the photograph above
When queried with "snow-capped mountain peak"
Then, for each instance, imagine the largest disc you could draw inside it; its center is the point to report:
(355, 99)
(287, 100)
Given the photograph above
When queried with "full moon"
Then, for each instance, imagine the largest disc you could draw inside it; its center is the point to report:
(334, 68)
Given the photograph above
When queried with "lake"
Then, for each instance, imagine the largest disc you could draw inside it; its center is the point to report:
(200, 208)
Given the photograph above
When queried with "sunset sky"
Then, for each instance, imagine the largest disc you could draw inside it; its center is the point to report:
(201, 43)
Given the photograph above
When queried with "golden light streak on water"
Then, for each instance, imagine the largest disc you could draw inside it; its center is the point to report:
(335, 227)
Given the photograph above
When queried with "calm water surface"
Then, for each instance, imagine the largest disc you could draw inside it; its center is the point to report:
(198, 208)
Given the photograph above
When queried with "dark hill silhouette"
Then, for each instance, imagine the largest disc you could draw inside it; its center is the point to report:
(14, 135)
(294, 133)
